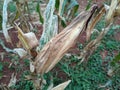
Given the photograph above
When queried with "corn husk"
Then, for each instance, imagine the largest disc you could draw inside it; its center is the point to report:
(55, 49)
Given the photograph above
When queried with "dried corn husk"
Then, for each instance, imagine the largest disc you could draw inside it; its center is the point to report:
(55, 49)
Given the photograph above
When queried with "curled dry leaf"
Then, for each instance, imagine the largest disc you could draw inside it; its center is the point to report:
(32, 67)
(61, 86)
(31, 39)
(21, 52)
(28, 40)
(55, 49)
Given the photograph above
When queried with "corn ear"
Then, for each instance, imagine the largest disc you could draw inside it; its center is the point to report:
(55, 49)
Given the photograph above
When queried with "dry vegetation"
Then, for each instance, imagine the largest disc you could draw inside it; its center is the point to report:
(44, 51)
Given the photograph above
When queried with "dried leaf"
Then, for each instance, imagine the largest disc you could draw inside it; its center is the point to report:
(12, 80)
(31, 39)
(107, 7)
(5, 19)
(93, 23)
(61, 86)
(28, 40)
(92, 45)
(2, 54)
(21, 52)
(111, 12)
(110, 72)
(117, 11)
(32, 67)
(55, 49)
(4, 87)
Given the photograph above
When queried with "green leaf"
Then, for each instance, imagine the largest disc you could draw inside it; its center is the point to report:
(62, 7)
(1, 75)
(115, 60)
(63, 23)
(0, 22)
(50, 23)
(89, 4)
(73, 5)
(57, 3)
(38, 10)
(11, 7)
(1, 66)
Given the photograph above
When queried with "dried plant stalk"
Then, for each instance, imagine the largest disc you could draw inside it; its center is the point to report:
(111, 12)
(92, 45)
(55, 49)
(93, 23)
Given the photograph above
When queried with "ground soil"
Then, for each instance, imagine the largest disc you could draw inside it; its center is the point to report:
(13, 33)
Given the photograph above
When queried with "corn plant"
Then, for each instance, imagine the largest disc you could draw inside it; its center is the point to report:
(45, 52)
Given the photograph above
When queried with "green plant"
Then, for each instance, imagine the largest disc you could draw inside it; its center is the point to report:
(1, 69)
